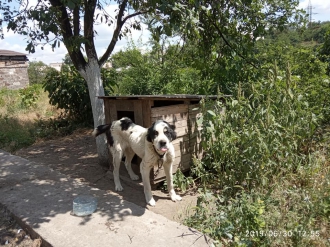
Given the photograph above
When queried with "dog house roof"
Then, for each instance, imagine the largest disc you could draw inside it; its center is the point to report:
(163, 97)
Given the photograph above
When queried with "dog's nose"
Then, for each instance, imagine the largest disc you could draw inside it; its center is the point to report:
(162, 143)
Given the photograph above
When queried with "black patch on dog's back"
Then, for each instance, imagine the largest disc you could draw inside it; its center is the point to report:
(109, 138)
(125, 123)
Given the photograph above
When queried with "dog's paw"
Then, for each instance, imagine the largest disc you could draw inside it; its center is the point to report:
(134, 177)
(175, 198)
(152, 202)
(119, 188)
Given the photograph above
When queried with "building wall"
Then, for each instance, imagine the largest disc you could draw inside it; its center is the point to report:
(13, 75)
(56, 66)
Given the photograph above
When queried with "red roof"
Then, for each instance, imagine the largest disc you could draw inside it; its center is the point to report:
(8, 53)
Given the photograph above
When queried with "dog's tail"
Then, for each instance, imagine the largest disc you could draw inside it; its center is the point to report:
(101, 129)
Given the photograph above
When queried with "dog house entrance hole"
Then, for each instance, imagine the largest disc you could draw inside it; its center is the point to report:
(129, 114)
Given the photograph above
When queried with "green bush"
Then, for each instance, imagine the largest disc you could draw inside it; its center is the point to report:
(271, 126)
(29, 96)
(258, 172)
(69, 91)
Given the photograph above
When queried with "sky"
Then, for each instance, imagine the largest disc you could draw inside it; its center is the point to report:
(15, 42)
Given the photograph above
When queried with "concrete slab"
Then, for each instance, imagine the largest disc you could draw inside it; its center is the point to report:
(42, 199)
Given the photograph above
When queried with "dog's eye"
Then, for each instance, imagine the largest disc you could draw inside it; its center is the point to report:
(156, 133)
(165, 130)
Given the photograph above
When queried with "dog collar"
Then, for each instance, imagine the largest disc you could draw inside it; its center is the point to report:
(161, 156)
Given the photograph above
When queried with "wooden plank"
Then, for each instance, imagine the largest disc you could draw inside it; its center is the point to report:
(146, 112)
(184, 162)
(168, 110)
(107, 111)
(113, 111)
(125, 105)
(195, 134)
(185, 166)
(196, 128)
(181, 148)
(138, 112)
(195, 147)
(193, 106)
(178, 140)
(181, 123)
(171, 118)
(195, 115)
(177, 122)
(182, 131)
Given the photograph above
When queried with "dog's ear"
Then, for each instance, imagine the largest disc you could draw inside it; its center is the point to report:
(150, 133)
(172, 131)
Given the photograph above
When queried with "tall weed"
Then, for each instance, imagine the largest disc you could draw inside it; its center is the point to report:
(29, 96)
(26, 116)
(258, 174)
(259, 138)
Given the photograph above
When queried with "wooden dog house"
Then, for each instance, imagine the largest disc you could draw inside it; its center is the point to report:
(181, 110)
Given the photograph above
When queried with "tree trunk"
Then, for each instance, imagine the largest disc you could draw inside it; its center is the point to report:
(92, 75)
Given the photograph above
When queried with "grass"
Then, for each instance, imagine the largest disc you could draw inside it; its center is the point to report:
(292, 209)
(26, 117)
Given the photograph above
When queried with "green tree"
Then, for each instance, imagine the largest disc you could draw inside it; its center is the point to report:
(37, 72)
(165, 69)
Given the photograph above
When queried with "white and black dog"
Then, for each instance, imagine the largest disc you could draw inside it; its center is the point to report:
(153, 146)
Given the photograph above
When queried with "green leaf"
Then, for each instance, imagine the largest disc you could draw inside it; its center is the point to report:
(71, 4)
(211, 112)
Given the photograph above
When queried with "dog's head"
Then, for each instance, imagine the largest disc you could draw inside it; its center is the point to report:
(161, 134)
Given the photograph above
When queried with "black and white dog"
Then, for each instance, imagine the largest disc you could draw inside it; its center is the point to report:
(153, 145)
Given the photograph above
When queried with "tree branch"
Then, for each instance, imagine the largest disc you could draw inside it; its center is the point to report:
(64, 22)
(115, 34)
(132, 15)
(90, 6)
(76, 17)
(230, 46)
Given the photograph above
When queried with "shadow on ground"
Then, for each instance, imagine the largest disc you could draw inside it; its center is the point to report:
(76, 157)
(54, 191)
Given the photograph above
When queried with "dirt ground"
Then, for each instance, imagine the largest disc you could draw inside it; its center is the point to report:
(12, 234)
(76, 156)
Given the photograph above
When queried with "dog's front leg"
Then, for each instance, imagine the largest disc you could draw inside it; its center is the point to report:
(117, 155)
(169, 179)
(145, 173)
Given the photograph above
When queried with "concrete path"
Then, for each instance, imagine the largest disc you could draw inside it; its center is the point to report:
(42, 199)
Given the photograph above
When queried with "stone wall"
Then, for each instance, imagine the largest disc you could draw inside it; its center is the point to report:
(13, 75)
